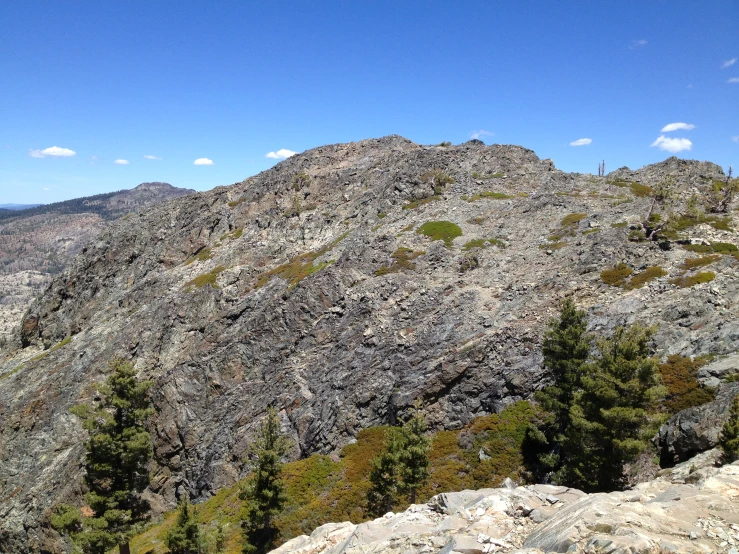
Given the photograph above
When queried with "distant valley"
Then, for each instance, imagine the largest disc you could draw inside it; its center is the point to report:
(37, 241)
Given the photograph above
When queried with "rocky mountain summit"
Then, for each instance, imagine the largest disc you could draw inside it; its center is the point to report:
(38, 242)
(691, 509)
(340, 286)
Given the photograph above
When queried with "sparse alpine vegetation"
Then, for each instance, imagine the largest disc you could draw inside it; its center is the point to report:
(441, 230)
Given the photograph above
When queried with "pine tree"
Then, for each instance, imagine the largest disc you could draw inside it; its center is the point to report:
(402, 467)
(383, 477)
(184, 537)
(265, 493)
(413, 455)
(615, 413)
(118, 452)
(729, 438)
(565, 348)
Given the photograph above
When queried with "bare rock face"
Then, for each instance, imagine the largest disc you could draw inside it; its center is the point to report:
(310, 288)
(688, 510)
(37, 243)
(696, 429)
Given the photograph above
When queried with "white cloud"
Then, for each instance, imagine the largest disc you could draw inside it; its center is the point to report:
(281, 154)
(121, 162)
(677, 127)
(733, 80)
(480, 133)
(638, 43)
(673, 145)
(735, 139)
(581, 142)
(728, 63)
(151, 157)
(47, 188)
(53, 151)
(202, 161)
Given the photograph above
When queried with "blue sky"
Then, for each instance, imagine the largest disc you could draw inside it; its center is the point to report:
(231, 82)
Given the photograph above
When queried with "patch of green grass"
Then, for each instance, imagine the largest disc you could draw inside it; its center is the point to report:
(407, 228)
(236, 233)
(205, 280)
(487, 194)
(619, 182)
(722, 224)
(616, 277)
(692, 280)
(572, 219)
(438, 179)
(482, 243)
(591, 231)
(553, 245)
(381, 215)
(619, 225)
(417, 203)
(41, 356)
(402, 259)
(299, 267)
(477, 220)
(642, 278)
(716, 247)
(202, 255)
(441, 230)
(640, 191)
(235, 203)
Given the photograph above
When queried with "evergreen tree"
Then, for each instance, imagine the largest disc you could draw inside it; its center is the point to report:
(402, 467)
(184, 537)
(413, 456)
(265, 493)
(565, 348)
(729, 437)
(614, 414)
(383, 477)
(118, 452)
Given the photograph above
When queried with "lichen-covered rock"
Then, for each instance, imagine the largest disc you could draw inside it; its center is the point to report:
(302, 294)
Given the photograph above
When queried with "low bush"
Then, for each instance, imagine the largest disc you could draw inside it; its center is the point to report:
(476, 175)
(680, 377)
(417, 203)
(441, 230)
(482, 243)
(438, 179)
(694, 263)
(692, 280)
(205, 280)
(202, 255)
(639, 190)
(402, 259)
(616, 276)
(642, 278)
(487, 194)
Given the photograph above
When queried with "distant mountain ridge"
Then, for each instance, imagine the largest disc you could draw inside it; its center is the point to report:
(109, 205)
(18, 206)
(38, 241)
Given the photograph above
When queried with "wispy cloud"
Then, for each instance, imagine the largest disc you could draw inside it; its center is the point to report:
(733, 80)
(47, 188)
(121, 162)
(638, 44)
(677, 127)
(281, 154)
(735, 139)
(151, 157)
(203, 161)
(53, 152)
(581, 142)
(728, 63)
(673, 145)
(480, 133)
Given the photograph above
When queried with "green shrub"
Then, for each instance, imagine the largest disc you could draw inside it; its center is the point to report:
(616, 276)
(694, 263)
(482, 243)
(552, 245)
(206, 279)
(440, 230)
(680, 377)
(416, 203)
(487, 194)
(591, 231)
(572, 219)
(476, 175)
(381, 215)
(202, 255)
(401, 260)
(438, 179)
(690, 281)
(724, 248)
(300, 181)
(641, 279)
(639, 190)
